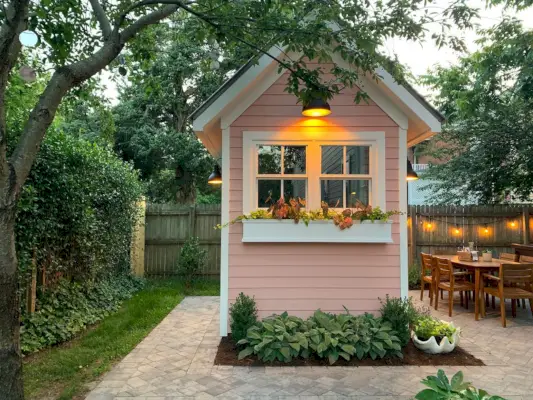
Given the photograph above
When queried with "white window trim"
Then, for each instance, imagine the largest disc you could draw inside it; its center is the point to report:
(375, 139)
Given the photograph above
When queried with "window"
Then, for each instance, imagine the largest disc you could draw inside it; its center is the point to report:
(345, 175)
(339, 168)
(281, 172)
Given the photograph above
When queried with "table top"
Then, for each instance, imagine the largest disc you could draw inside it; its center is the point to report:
(495, 263)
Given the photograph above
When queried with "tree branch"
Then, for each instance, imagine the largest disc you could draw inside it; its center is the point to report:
(102, 18)
(16, 15)
(149, 19)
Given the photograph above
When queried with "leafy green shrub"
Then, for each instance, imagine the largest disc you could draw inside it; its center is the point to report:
(414, 277)
(346, 335)
(428, 326)
(440, 388)
(71, 307)
(77, 210)
(192, 259)
(279, 337)
(243, 315)
(401, 314)
(323, 335)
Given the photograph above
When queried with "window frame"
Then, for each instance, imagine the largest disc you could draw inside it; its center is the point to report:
(345, 176)
(282, 176)
(313, 140)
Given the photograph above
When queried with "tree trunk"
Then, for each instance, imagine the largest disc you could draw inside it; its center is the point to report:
(10, 356)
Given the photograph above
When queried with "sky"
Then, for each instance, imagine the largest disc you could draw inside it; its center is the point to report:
(418, 57)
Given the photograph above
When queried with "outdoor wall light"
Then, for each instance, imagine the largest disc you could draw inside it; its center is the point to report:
(316, 108)
(411, 174)
(216, 176)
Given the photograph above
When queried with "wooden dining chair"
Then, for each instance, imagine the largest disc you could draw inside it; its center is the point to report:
(508, 257)
(526, 259)
(451, 280)
(521, 275)
(427, 275)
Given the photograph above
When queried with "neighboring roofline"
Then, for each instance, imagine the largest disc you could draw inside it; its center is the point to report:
(436, 113)
(241, 71)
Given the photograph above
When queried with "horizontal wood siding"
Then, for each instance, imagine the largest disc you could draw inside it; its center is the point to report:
(302, 277)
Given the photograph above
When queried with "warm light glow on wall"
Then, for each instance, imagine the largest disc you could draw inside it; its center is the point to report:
(456, 231)
(484, 230)
(512, 224)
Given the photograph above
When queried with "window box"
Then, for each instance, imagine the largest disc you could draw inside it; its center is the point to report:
(286, 231)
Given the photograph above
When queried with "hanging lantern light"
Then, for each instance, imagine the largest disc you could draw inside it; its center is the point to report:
(216, 176)
(411, 174)
(316, 108)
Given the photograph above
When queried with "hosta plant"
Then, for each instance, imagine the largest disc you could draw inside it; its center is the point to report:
(279, 337)
(440, 388)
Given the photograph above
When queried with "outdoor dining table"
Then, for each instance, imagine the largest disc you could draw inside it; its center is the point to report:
(478, 267)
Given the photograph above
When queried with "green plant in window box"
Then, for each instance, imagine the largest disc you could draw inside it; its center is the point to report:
(294, 210)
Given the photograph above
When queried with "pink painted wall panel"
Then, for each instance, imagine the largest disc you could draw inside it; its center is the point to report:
(302, 277)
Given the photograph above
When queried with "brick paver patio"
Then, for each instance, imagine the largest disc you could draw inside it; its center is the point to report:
(176, 362)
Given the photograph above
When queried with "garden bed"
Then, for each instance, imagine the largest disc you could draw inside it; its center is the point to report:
(227, 355)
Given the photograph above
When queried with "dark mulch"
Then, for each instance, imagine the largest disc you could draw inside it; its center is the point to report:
(227, 355)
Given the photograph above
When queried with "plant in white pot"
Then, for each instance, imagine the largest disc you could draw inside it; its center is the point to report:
(486, 255)
(434, 336)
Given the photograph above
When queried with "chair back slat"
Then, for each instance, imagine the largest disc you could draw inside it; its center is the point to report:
(508, 256)
(427, 262)
(444, 266)
(516, 273)
(526, 259)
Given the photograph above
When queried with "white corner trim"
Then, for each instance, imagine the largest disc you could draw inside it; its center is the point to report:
(224, 250)
(236, 89)
(409, 100)
(375, 139)
(404, 267)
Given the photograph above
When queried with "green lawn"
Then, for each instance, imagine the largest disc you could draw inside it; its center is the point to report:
(62, 372)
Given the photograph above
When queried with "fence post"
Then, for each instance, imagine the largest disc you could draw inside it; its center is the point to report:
(192, 220)
(412, 234)
(31, 297)
(137, 241)
(525, 224)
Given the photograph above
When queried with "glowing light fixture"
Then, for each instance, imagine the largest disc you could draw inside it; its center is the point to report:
(513, 224)
(216, 176)
(411, 174)
(316, 108)
(486, 229)
(457, 231)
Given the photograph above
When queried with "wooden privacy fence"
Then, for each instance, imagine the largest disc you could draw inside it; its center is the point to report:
(167, 228)
(431, 229)
(442, 229)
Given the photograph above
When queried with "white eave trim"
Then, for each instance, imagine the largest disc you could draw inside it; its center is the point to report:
(410, 101)
(232, 92)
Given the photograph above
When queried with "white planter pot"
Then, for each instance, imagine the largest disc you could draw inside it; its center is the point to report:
(431, 346)
(487, 257)
(286, 231)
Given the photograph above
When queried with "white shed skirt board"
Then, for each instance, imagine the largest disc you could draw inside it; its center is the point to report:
(287, 231)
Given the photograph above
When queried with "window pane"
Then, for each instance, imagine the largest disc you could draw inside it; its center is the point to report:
(269, 159)
(357, 190)
(357, 159)
(294, 188)
(268, 189)
(294, 159)
(332, 159)
(331, 192)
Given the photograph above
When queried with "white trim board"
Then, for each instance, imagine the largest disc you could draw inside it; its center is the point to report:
(377, 165)
(224, 249)
(404, 267)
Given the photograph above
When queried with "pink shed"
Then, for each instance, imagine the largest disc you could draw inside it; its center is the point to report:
(359, 149)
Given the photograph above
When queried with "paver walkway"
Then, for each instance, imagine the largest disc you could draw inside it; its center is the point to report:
(175, 361)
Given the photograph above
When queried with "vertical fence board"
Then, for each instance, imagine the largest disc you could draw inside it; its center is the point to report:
(168, 226)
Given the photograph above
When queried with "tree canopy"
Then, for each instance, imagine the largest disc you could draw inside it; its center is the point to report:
(486, 147)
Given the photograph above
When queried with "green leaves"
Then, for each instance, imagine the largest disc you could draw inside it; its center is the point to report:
(440, 388)
(191, 260)
(282, 337)
(71, 307)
